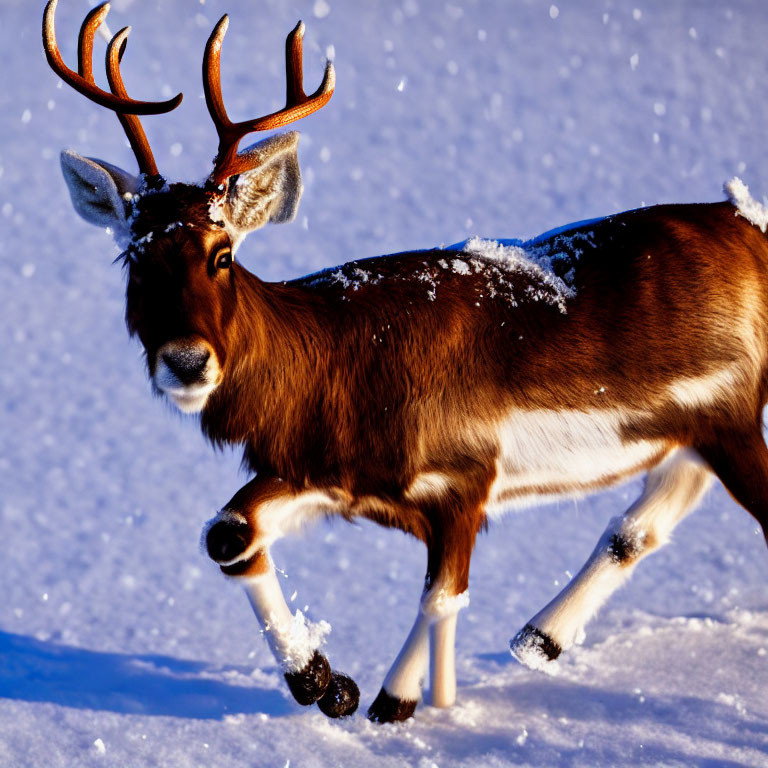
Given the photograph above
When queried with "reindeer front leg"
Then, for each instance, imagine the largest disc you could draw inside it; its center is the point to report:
(238, 539)
(431, 641)
(430, 644)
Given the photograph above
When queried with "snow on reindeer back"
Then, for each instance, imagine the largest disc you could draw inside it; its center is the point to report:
(746, 205)
(517, 271)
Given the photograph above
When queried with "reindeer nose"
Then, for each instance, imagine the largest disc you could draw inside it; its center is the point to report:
(187, 363)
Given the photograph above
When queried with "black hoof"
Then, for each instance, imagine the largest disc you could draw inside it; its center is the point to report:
(341, 697)
(226, 540)
(310, 683)
(531, 646)
(390, 709)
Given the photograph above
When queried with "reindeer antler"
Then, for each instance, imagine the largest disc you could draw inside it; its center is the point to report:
(127, 109)
(298, 104)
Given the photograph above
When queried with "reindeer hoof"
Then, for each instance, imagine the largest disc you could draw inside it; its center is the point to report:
(341, 697)
(310, 683)
(226, 540)
(389, 709)
(534, 648)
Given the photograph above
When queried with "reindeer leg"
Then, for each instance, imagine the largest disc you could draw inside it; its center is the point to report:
(435, 627)
(307, 671)
(740, 460)
(435, 630)
(672, 489)
(401, 690)
(442, 671)
(233, 540)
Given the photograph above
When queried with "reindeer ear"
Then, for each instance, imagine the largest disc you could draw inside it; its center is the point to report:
(268, 193)
(97, 190)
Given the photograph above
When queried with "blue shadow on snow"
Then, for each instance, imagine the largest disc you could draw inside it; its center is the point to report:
(32, 670)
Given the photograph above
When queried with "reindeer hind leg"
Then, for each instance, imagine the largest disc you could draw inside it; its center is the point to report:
(672, 489)
(740, 460)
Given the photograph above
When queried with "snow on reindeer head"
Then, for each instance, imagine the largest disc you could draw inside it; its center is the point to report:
(179, 239)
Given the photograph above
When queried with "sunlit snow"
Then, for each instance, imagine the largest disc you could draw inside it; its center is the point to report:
(754, 212)
(121, 643)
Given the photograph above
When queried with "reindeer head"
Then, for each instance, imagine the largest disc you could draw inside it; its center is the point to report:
(179, 240)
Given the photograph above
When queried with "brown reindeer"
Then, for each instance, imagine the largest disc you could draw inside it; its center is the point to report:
(428, 391)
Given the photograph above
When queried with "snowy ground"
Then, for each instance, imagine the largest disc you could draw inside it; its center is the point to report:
(120, 645)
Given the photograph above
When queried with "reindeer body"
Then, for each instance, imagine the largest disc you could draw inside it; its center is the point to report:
(406, 380)
(431, 390)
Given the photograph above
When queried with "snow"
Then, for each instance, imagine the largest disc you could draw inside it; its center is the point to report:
(440, 603)
(460, 267)
(536, 263)
(528, 648)
(115, 630)
(746, 205)
(301, 637)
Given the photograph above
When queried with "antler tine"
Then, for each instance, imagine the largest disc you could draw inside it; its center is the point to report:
(86, 85)
(85, 40)
(212, 78)
(294, 66)
(127, 109)
(115, 50)
(131, 123)
(298, 104)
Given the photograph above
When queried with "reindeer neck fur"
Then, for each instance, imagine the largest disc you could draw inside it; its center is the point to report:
(271, 386)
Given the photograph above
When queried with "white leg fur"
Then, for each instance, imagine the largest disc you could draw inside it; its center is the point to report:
(292, 641)
(442, 674)
(436, 622)
(672, 489)
(404, 679)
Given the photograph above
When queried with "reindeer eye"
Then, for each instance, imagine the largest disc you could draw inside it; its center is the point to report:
(223, 259)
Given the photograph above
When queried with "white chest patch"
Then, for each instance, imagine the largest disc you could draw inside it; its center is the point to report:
(545, 455)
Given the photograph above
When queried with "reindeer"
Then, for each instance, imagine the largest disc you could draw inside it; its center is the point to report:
(431, 390)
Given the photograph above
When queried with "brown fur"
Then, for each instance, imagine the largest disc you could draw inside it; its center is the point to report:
(357, 389)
